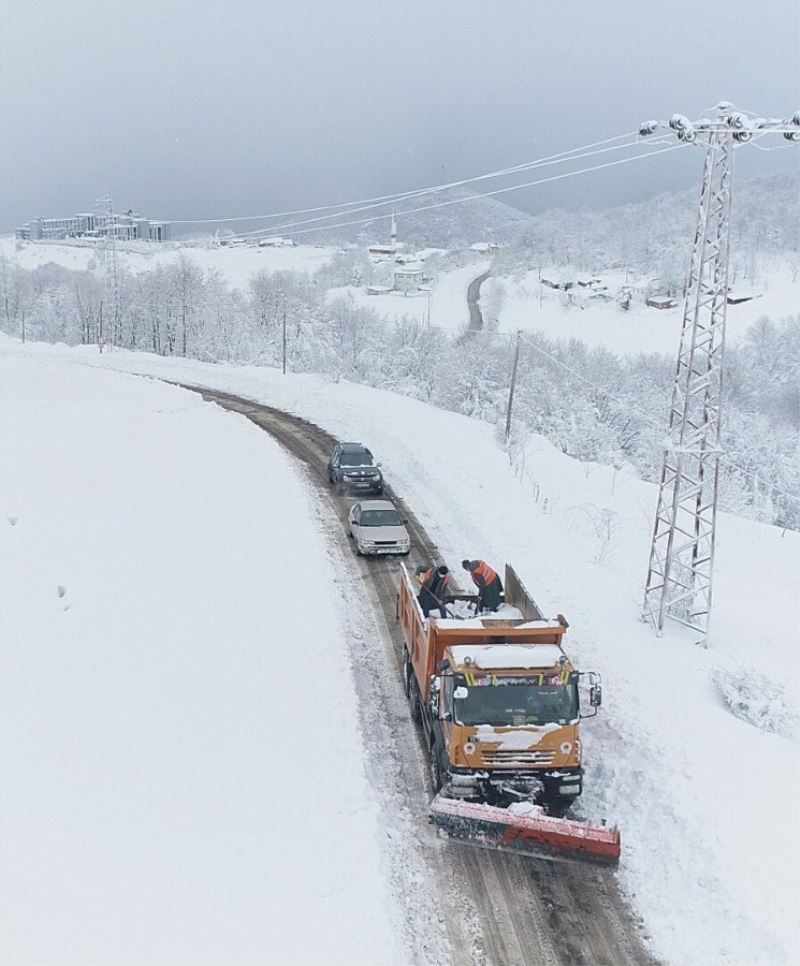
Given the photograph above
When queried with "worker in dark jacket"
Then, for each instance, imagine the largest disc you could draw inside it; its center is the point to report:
(488, 583)
(434, 582)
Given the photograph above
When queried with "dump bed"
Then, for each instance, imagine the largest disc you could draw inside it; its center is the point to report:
(427, 640)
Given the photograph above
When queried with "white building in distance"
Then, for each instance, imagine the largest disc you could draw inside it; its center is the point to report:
(127, 226)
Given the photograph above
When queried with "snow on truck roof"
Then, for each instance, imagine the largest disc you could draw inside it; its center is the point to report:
(490, 657)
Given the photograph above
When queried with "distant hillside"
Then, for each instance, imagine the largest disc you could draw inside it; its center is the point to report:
(654, 236)
(456, 225)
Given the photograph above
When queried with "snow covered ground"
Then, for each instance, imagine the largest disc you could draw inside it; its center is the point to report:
(168, 794)
(507, 302)
(236, 263)
(707, 802)
(446, 307)
(515, 302)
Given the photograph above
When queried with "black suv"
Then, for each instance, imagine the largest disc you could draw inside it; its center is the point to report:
(353, 467)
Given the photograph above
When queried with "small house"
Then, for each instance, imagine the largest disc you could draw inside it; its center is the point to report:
(742, 293)
(408, 278)
(660, 302)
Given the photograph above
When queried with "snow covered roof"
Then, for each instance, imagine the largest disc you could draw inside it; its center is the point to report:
(495, 656)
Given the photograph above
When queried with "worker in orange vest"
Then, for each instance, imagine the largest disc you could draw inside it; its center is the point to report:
(433, 581)
(488, 583)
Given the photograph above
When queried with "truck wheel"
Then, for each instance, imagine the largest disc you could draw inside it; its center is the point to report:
(414, 699)
(436, 769)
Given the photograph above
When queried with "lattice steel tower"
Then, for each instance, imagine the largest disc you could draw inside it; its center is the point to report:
(680, 573)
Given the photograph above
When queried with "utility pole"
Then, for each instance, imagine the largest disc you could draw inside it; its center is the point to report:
(183, 330)
(23, 326)
(680, 571)
(283, 364)
(511, 387)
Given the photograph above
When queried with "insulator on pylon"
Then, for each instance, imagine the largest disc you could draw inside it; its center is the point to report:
(796, 118)
(792, 135)
(647, 128)
(742, 126)
(679, 122)
(687, 134)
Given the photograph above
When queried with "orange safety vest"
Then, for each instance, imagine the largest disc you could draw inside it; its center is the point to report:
(429, 579)
(483, 575)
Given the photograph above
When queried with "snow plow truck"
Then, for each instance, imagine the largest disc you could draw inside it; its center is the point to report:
(499, 703)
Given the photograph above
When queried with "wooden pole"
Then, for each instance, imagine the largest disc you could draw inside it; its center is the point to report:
(511, 387)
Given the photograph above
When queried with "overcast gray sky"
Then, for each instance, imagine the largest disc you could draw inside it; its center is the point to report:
(205, 108)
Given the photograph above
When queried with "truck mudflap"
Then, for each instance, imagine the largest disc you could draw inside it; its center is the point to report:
(533, 832)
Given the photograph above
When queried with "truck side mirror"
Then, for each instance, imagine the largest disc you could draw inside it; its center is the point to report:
(595, 692)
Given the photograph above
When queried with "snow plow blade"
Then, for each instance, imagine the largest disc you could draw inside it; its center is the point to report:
(533, 834)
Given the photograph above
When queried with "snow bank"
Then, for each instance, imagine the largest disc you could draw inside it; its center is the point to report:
(182, 765)
(706, 802)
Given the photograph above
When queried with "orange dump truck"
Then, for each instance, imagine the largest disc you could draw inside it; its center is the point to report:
(499, 702)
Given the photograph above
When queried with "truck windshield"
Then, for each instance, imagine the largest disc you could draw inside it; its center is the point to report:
(518, 704)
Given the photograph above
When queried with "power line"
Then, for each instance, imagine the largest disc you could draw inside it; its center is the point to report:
(544, 162)
(457, 201)
(402, 195)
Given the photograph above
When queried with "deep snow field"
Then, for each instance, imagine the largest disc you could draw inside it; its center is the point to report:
(641, 328)
(168, 792)
(236, 263)
(507, 302)
(706, 802)
(447, 305)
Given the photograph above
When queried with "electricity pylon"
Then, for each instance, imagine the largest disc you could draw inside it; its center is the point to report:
(681, 568)
(111, 279)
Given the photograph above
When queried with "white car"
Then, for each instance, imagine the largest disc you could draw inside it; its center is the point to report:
(377, 527)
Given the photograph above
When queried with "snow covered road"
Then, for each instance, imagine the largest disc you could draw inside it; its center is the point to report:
(169, 791)
(711, 879)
